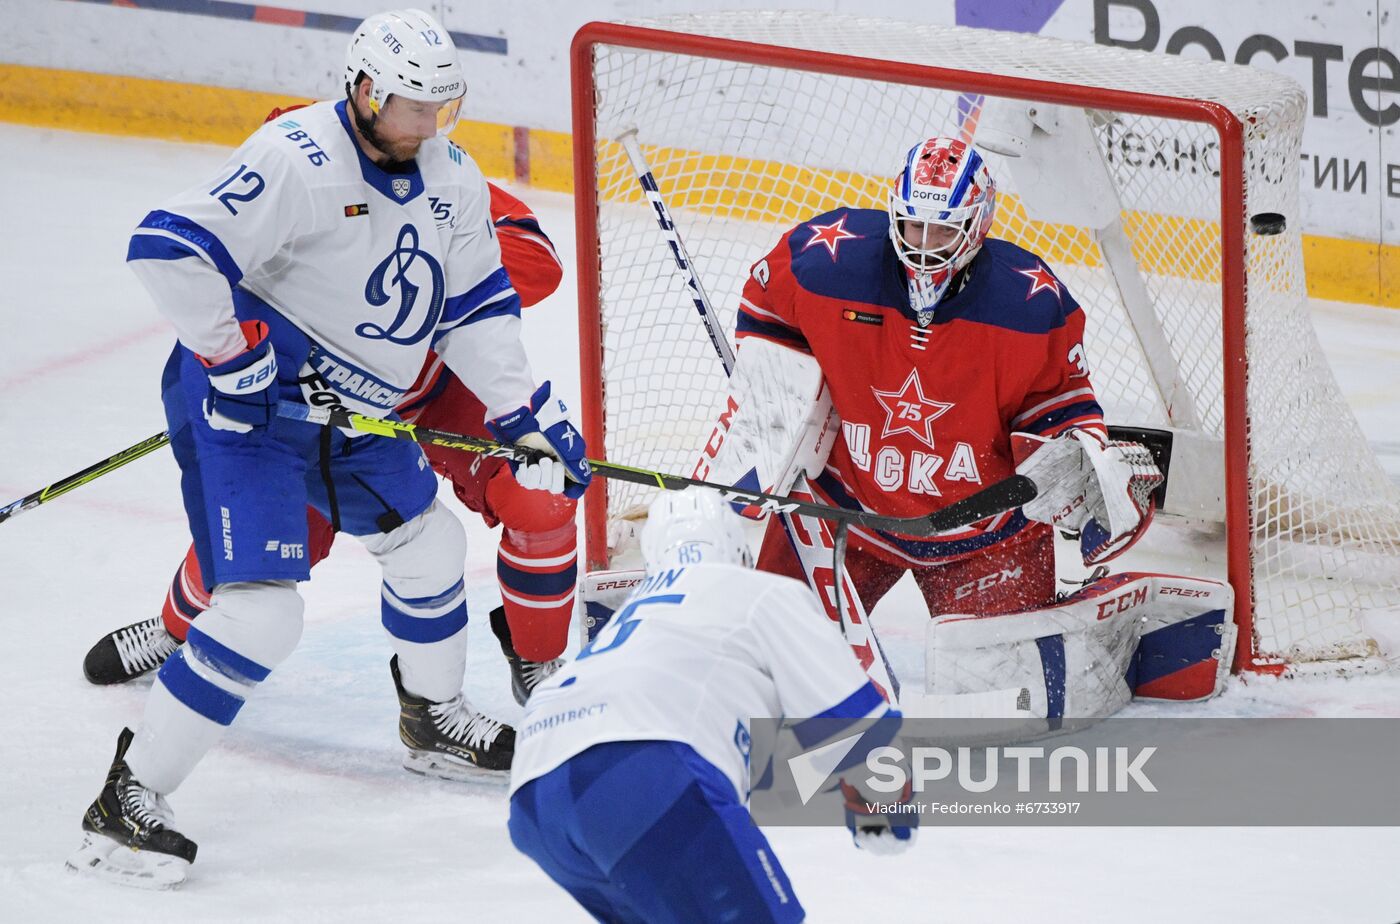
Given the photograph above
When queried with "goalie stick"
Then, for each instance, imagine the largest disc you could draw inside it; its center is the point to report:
(718, 338)
(994, 499)
(855, 625)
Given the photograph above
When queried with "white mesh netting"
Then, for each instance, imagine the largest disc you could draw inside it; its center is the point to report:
(741, 152)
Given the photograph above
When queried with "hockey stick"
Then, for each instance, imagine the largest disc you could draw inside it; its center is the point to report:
(628, 140)
(994, 499)
(61, 487)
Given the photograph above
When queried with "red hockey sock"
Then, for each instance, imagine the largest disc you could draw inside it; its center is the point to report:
(538, 573)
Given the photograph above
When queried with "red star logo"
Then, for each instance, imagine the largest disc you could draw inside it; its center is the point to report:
(830, 235)
(1041, 278)
(907, 409)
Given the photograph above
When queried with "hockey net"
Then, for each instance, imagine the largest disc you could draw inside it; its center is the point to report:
(753, 122)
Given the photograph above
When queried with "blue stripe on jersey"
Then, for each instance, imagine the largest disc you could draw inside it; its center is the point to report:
(213, 702)
(748, 325)
(859, 705)
(207, 241)
(423, 629)
(496, 287)
(538, 583)
(1046, 422)
(157, 247)
(224, 659)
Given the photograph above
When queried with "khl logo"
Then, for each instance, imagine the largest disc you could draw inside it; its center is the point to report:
(393, 273)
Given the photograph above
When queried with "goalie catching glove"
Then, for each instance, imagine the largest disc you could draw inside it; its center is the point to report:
(1102, 490)
(544, 425)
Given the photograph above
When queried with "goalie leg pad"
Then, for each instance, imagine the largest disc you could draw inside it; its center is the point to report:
(603, 593)
(1125, 636)
(778, 422)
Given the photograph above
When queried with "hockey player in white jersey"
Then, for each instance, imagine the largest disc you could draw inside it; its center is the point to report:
(631, 765)
(333, 249)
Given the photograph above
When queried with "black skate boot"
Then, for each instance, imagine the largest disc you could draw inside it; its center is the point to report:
(127, 837)
(450, 740)
(524, 675)
(129, 652)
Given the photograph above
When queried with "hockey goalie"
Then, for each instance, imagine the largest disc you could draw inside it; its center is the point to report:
(899, 360)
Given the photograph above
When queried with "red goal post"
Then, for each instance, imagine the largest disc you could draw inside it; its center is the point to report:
(758, 62)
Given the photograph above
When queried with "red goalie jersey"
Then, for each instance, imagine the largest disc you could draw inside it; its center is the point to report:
(927, 411)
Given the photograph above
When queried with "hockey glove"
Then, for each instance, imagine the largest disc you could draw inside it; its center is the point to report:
(242, 393)
(545, 426)
(1122, 507)
(1100, 489)
(883, 833)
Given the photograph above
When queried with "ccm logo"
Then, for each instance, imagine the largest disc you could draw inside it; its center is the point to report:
(1184, 592)
(1122, 602)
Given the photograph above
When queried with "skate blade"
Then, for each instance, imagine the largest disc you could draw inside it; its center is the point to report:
(103, 858)
(442, 767)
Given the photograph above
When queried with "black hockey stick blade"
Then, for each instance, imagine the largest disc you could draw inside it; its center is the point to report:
(1007, 494)
(1002, 496)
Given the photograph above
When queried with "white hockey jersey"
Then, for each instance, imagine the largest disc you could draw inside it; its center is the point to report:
(692, 656)
(374, 267)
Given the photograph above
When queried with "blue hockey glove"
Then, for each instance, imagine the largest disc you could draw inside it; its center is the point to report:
(241, 393)
(545, 426)
(883, 833)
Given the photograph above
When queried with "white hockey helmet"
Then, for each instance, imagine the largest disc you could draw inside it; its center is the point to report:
(941, 208)
(691, 526)
(408, 53)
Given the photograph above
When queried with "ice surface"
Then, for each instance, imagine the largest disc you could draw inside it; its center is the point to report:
(304, 813)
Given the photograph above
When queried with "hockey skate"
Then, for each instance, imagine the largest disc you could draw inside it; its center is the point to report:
(451, 740)
(129, 652)
(524, 675)
(127, 837)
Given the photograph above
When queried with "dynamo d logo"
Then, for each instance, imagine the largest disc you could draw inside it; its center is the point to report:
(392, 277)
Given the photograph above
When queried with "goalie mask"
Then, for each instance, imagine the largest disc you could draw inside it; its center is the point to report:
(941, 208)
(692, 526)
(408, 54)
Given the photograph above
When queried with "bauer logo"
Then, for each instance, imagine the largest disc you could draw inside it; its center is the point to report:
(1177, 771)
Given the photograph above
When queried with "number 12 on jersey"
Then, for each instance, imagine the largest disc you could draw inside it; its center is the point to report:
(620, 628)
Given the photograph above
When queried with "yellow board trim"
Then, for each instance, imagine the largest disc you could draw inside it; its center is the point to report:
(1337, 269)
